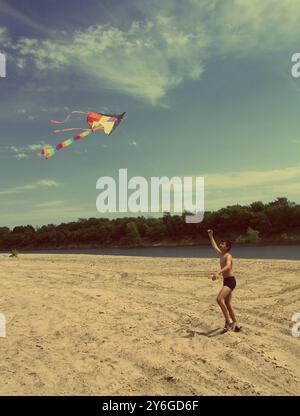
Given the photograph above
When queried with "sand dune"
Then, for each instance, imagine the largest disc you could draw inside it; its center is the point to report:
(97, 325)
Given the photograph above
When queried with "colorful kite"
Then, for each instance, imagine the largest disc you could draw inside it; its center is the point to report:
(95, 121)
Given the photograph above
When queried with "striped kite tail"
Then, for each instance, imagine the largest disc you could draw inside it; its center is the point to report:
(48, 152)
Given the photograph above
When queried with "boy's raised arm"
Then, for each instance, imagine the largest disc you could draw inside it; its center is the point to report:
(213, 243)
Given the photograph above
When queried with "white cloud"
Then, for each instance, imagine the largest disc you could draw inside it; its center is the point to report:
(44, 183)
(146, 61)
(49, 204)
(55, 109)
(24, 152)
(245, 187)
(14, 203)
(171, 44)
(259, 26)
(34, 147)
(243, 179)
(20, 156)
(4, 37)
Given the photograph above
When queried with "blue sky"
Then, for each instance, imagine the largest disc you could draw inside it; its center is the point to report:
(206, 85)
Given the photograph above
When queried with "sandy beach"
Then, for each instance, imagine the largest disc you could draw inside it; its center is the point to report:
(105, 325)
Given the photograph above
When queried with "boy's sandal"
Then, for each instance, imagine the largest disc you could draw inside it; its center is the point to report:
(228, 327)
(237, 328)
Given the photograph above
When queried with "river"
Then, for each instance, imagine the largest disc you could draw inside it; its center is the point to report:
(288, 252)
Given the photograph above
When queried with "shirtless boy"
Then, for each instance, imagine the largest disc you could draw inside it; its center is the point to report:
(229, 282)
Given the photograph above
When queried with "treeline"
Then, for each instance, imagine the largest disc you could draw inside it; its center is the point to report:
(277, 221)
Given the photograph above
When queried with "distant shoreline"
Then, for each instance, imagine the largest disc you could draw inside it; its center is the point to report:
(271, 252)
(150, 246)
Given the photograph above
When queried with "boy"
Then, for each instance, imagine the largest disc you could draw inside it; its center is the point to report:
(229, 283)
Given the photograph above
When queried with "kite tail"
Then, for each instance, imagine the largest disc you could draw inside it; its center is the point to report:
(69, 129)
(68, 117)
(49, 151)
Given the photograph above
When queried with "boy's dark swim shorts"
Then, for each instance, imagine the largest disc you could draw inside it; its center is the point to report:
(230, 282)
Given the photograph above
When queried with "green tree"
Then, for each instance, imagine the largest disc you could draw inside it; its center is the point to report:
(251, 237)
(132, 236)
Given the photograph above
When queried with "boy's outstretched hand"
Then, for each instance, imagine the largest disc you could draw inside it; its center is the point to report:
(210, 232)
(214, 276)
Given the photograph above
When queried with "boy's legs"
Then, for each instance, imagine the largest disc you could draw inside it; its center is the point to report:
(225, 291)
(230, 309)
